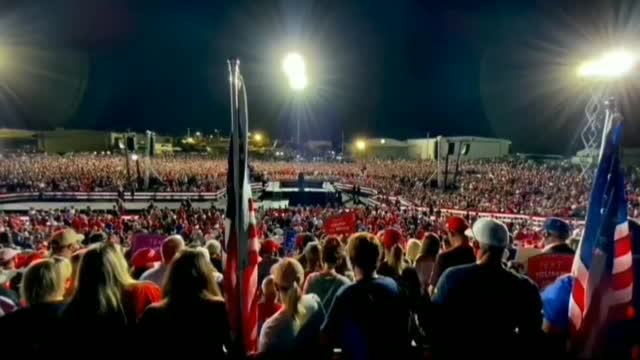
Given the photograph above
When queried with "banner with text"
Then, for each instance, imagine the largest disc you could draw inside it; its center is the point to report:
(344, 224)
(144, 241)
(544, 269)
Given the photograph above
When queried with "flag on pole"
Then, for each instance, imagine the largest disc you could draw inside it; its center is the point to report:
(602, 268)
(241, 243)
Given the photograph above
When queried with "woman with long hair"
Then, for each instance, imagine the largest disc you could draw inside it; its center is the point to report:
(281, 333)
(426, 260)
(313, 258)
(326, 282)
(107, 300)
(394, 264)
(191, 296)
(30, 329)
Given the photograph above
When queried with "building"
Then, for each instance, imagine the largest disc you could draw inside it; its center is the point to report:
(17, 139)
(379, 148)
(61, 141)
(467, 147)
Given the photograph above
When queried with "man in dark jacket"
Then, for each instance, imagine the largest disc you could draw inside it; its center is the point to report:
(557, 232)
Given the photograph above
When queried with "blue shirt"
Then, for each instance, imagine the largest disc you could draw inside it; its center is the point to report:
(555, 302)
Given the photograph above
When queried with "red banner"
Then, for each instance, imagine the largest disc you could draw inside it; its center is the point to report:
(341, 224)
(144, 241)
(544, 269)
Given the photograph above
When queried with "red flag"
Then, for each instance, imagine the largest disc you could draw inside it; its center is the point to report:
(241, 269)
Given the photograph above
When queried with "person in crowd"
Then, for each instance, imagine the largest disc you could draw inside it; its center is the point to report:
(107, 301)
(65, 242)
(283, 332)
(8, 259)
(557, 232)
(8, 278)
(32, 327)
(74, 260)
(413, 251)
(369, 318)
(484, 302)
(191, 297)
(460, 252)
(426, 260)
(326, 282)
(312, 257)
(394, 264)
(268, 304)
(343, 267)
(269, 254)
(168, 250)
(215, 254)
(144, 260)
(302, 240)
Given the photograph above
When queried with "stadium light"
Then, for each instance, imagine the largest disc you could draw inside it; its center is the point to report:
(257, 137)
(611, 65)
(383, 141)
(294, 67)
(361, 145)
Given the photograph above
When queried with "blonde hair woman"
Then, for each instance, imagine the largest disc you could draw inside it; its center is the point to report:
(106, 299)
(279, 333)
(413, 251)
(191, 296)
(42, 289)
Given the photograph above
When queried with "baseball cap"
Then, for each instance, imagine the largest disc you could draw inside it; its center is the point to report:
(392, 236)
(144, 258)
(6, 254)
(457, 225)
(270, 246)
(491, 232)
(66, 237)
(557, 226)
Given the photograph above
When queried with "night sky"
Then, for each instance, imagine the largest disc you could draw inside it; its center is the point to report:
(397, 69)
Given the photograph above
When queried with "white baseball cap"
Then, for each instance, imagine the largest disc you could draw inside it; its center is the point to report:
(491, 232)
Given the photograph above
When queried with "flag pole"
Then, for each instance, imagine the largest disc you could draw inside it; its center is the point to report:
(234, 78)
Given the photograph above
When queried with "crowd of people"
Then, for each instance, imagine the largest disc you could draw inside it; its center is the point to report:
(381, 293)
(503, 186)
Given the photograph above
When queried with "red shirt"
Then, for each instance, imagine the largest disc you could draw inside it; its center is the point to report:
(140, 295)
(267, 310)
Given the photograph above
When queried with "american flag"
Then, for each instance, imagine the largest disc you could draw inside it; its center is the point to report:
(602, 267)
(241, 243)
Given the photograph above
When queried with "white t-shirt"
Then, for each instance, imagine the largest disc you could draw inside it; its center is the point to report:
(155, 275)
(279, 331)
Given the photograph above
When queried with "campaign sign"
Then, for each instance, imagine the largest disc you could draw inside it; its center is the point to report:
(341, 224)
(544, 269)
(144, 241)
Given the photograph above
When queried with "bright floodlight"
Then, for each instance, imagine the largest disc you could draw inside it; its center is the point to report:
(295, 69)
(383, 141)
(361, 145)
(614, 64)
(257, 137)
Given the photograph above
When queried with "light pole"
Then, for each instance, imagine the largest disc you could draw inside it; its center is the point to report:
(601, 112)
(296, 71)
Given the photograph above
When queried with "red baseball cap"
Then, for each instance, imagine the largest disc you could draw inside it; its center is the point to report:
(144, 258)
(391, 237)
(457, 225)
(270, 246)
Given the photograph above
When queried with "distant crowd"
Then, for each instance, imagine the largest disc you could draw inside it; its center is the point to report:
(504, 186)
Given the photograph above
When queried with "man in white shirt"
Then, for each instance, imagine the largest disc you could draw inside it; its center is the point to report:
(170, 247)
